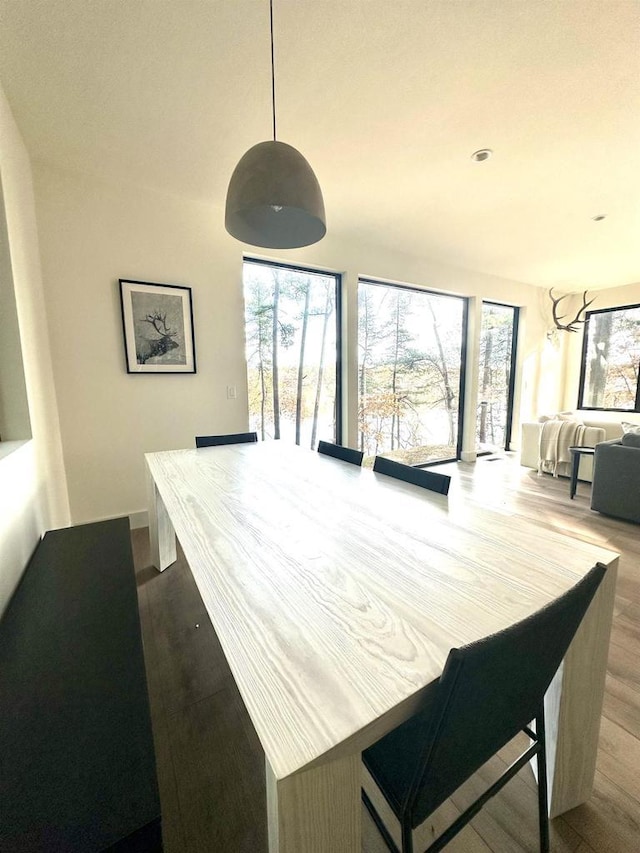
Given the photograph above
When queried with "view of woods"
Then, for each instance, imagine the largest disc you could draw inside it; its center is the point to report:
(496, 348)
(612, 359)
(291, 340)
(410, 347)
(409, 372)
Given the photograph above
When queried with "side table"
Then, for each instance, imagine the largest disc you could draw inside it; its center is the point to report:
(576, 453)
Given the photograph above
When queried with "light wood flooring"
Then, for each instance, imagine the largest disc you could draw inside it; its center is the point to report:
(211, 766)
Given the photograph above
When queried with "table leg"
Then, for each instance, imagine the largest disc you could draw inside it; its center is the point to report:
(575, 464)
(317, 810)
(573, 704)
(162, 537)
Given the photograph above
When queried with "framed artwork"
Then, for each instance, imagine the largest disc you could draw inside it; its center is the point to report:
(157, 321)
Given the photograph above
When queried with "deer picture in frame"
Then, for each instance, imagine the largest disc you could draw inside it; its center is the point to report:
(147, 348)
(157, 321)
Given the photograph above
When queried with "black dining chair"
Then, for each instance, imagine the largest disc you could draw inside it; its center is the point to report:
(489, 691)
(418, 476)
(347, 454)
(217, 440)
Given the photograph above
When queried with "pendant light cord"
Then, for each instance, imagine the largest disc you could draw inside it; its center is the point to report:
(273, 74)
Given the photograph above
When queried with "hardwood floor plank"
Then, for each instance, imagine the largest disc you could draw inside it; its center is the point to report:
(619, 757)
(189, 658)
(509, 822)
(172, 824)
(623, 665)
(467, 841)
(622, 705)
(172, 833)
(220, 777)
(626, 631)
(154, 682)
(629, 576)
(610, 821)
(585, 848)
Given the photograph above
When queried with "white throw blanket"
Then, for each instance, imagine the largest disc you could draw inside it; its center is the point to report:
(556, 437)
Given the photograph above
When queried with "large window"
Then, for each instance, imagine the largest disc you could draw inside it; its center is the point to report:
(498, 337)
(611, 359)
(292, 349)
(15, 423)
(410, 372)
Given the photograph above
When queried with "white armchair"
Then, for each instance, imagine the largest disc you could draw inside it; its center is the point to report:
(595, 432)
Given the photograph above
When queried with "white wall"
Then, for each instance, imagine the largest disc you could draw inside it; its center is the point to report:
(94, 233)
(91, 235)
(32, 479)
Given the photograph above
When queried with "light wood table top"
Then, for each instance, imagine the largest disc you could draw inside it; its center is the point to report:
(337, 593)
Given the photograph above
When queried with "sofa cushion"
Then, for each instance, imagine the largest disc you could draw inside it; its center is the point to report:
(568, 416)
(560, 416)
(631, 439)
(630, 429)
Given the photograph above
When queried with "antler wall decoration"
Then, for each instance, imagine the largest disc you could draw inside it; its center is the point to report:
(577, 320)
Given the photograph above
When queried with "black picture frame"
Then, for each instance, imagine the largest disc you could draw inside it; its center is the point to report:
(157, 325)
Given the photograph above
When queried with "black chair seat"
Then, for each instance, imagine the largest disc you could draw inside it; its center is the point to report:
(393, 761)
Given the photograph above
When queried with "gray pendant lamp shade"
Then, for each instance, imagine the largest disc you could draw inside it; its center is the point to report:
(274, 199)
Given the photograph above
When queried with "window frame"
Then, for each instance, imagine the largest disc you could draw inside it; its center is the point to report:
(511, 391)
(463, 354)
(583, 364)
(339, 431)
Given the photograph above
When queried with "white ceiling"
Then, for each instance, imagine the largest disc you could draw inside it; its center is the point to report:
(387, 100)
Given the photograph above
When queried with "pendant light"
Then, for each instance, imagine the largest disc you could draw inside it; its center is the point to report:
(274, 198)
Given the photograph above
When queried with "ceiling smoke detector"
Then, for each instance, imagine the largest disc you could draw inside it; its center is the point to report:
(481, 155)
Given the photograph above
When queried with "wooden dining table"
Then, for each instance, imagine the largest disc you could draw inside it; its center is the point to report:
(337, 593)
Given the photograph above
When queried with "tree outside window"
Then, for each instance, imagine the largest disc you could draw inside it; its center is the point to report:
(498, 333)
(611, 360)
(410, 345)
(291, 334)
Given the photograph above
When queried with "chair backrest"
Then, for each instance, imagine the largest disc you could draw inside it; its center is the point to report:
(489, 691)
(216, 440)
(347, 454)
(418, 476)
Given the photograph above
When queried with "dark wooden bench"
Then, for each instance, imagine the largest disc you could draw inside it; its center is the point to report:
(77, 764)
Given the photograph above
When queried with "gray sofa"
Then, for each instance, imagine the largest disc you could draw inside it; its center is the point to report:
(616, 478)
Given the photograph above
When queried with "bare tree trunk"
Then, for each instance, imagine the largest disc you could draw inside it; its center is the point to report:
(274, 356)
(362, 379)
(449, 394)
(303, 340)
(316, 404)
(599, 359)
(486, 385)
(395, 412)
(263, 390)
(263, 329)
(482, 427)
